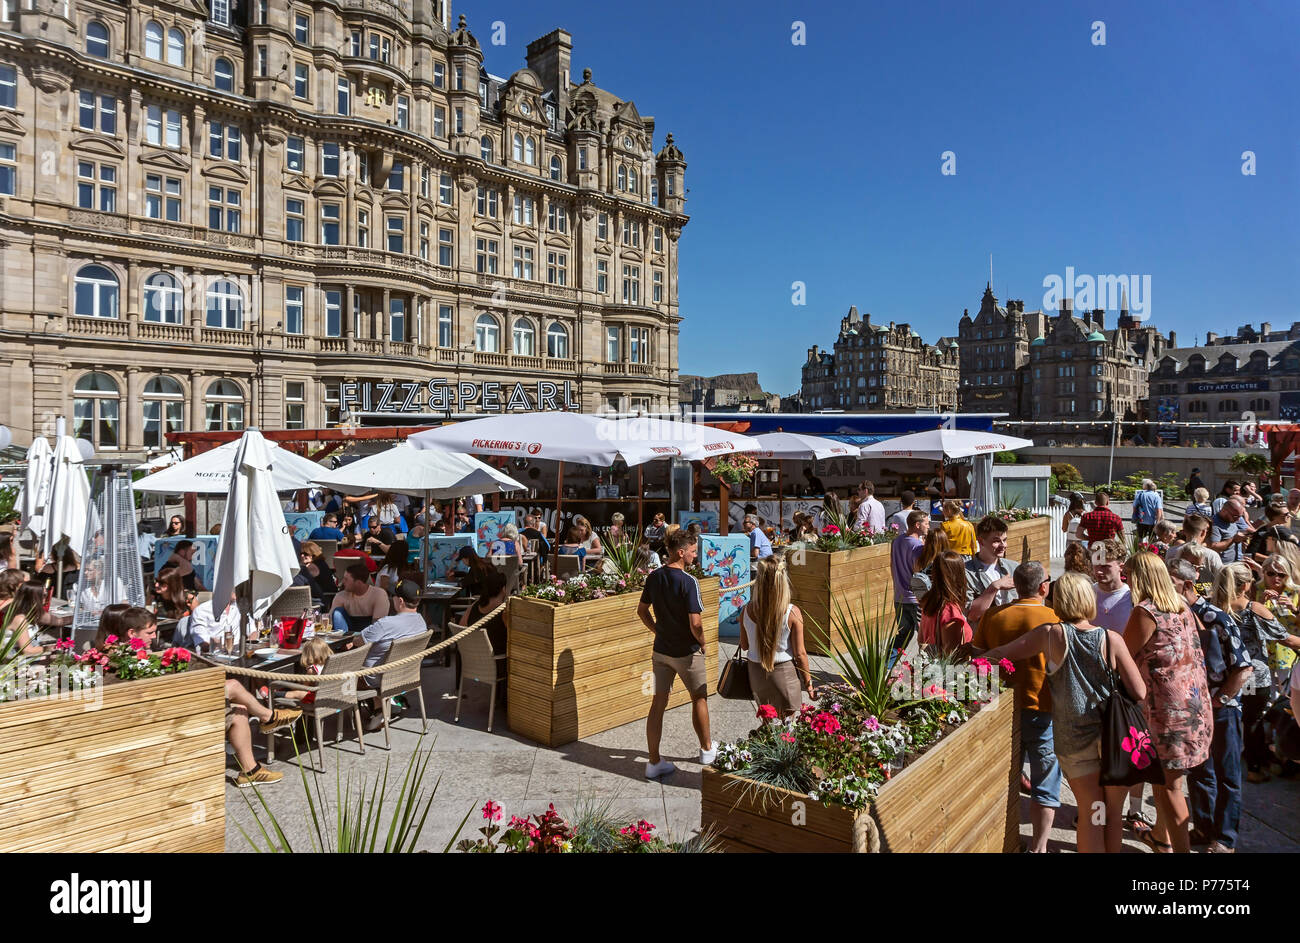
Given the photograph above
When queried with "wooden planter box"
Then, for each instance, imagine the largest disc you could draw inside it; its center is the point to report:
(961, 795)
(1030, 540)
(855, 580)
(578, 669)
(142, 771)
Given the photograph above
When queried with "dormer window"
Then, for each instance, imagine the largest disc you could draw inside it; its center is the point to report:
(219, 11)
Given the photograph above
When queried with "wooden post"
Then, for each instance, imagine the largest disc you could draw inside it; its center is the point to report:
(640, 502)
(559, 503)
(724, 511)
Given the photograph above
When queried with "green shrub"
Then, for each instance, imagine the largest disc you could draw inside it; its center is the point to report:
(1004, 458)
(1067, 476)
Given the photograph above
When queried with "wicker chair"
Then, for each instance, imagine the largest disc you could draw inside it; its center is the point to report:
(332, 697)
(291, 602)
(478, 663)
(566, 565)
(400, 680)
(327, 548)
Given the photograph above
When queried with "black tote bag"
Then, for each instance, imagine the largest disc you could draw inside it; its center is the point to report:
(1128, 752)
(734, 682)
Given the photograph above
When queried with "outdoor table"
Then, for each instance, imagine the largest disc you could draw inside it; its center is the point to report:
(438, 595)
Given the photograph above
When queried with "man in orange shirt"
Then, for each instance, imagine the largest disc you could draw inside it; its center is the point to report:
(1000, 626)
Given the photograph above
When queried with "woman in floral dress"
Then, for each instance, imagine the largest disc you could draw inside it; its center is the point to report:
(1161, 635)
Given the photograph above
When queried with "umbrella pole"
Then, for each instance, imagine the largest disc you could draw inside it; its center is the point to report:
(559, 499)
(640, 503)
(424, 542)
(58, 569)
(780, 498)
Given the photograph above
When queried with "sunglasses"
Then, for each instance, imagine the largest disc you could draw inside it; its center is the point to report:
(1275, 573)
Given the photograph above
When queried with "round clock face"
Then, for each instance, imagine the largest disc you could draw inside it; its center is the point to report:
(524, 109)
(627, 141)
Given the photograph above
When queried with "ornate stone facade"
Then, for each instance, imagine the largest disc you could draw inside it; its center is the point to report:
(215, 214)
(995, 354)
(874, 368)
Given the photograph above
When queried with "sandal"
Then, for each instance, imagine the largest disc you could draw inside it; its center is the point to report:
(1138, 823)
(1159, 847)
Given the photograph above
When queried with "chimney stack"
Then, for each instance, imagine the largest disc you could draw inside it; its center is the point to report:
(1173, 338)
(1099, 316)
(1211, 337)
(1264, 330)
(1067, 306)
(549, 58)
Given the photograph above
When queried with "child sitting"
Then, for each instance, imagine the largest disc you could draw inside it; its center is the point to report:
(315, 652)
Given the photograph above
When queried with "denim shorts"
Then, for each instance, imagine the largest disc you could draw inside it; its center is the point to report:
(1044, 770)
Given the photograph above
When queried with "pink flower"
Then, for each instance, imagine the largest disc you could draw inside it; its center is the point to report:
(766, 712)
(830, 530)
(825, 723)
(111, 640)
(1138, 745)
(871, 724)
(492, 811)
(788, 737)
(982, 666)
(836, 707)
(1007, 666)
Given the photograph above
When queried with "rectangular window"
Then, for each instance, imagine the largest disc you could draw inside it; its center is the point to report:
(556, 217)
(444, 325)
(94, 113)
(460, 120)
(523, 259)
(397, 319)
(223, 209)
(162, 197)
(363, 228)
(397, 177)
(261, 12)
(445, 246)
(582, 158)
(354, 43)
(261, 62)
(293, 309)
(631, 233)
(482, 95)
(385, 50)
(344, 96)
(374, 46)
(632, 284)
(424, 241)
(658, 281)
(487, 202)
(403, 112)
(220, 10)
(329, 160)
(602, 226)
(439, 121)
(300, 81)
(333, 313)
(301, 28)
(295, 404)
(557, 268)
(424, 180)
(295, 221)
(333, 411)
(439, 75)
(444, 189)
(396, 228)
(602, 277)
(659, 239)
(613, 344)
(232, 142)
(85, 185)
(459, 77)
(485, 256)
(638, 345)
(523, 212)
(293, 154)
(329, 224)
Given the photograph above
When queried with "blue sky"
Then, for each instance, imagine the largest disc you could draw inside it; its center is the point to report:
(821, 163)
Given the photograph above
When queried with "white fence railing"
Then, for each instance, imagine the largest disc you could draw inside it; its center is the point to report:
(1056, 545)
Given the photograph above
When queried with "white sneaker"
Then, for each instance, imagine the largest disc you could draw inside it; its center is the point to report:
(662, 768)
(708, 756)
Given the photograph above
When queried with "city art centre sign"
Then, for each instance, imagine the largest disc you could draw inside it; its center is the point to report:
(440, 395)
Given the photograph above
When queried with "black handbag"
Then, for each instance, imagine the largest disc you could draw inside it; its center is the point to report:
(1128, 752)
(734, 681)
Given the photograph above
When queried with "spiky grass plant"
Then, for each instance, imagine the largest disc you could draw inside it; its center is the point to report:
(357, 817)
(863, 657)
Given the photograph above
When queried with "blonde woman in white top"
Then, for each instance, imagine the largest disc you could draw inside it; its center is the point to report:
(771, 632)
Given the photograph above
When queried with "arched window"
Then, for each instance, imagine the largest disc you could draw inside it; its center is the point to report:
(530, 151)
(557, 341)
(153, 41)
(96, 406)
(556, 169)
(97, 39)
(622, 177)
(485, 148)
(175, 47)
(223, 75)
(631, 181)
(164, 410)
(224, 406)
(96, 292)
(225, 305)
(487, 334)
(163, 302)
(523, 338)
(517, 148)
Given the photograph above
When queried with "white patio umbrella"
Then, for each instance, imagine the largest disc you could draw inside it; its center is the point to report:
(255, 557)
(210, 472)
(939, 444)
(582, 438)
(793, 445)
(158, 462)
(434, 475)
(68, 504)
(36, 487)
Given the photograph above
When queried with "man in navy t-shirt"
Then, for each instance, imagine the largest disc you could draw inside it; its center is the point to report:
(328, 530)
(674, 596)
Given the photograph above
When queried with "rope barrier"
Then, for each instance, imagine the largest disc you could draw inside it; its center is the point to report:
(260, 675)
(360, 672)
